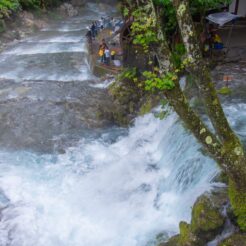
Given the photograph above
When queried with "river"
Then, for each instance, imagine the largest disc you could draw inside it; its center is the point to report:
(67, 179)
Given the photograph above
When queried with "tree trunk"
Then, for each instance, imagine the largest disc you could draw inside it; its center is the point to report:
(226, 149)
(199, 69)
(234, 157)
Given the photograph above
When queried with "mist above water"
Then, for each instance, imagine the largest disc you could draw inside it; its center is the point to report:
(105, 191)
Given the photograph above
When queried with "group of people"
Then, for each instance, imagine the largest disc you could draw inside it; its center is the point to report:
(210, 39)
(97, 26)
(105, 54)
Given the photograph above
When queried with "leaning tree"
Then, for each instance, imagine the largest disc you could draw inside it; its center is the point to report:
(222, 143)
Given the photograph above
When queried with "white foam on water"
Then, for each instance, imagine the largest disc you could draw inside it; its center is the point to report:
(57, 39)
(45, 48)
(105, 84)
(50, 72)
(20, 75)
(236, 113)
(102, 193)
(65, 28)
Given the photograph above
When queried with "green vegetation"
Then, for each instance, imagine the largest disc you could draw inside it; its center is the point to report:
(166, 31)
(238, 203)
(187, 237)
(165, 82)
(206, 218)
(29, 4)
(9, 6)
(206, 223)
(224, 90)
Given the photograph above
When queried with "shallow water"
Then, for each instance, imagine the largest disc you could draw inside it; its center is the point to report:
(112, 186)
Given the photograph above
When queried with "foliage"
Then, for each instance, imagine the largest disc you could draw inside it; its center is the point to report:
(168, 15)
(29, 4)
(178, 54)
(7, 6)
(143, 29)
(129, 73)
(125, 12)
(199, 6)
(164, 82)
(224, 90)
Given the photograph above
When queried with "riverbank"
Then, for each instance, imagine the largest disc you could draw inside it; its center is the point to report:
(21, 24)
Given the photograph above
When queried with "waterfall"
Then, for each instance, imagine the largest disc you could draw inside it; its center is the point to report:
(106, 191)
(108, 187)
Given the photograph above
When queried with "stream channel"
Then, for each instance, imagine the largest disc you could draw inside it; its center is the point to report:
(68, 179)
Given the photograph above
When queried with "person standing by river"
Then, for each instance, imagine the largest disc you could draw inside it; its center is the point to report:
(102, 47)
(107, 56)
(94, 29)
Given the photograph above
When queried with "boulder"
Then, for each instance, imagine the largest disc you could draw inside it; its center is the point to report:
(207, 220)
(173, 241)
(185, 238)
(206, 223)
(188, 237)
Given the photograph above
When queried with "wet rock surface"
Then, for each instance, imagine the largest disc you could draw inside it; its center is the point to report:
(206, 223)
(231, 75)
(207, 220)
(48, 96)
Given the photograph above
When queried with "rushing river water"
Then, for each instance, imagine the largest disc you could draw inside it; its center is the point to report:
(67, 179)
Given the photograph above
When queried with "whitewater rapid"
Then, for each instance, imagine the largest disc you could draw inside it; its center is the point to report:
(110, 187)
(104, 191)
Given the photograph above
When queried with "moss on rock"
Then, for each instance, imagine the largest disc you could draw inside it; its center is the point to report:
(173, 241)
(238, 203)
(207, 220)
(224, 91)
(221, 178)
(187, 237)
(146, 107)
(234, 240)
